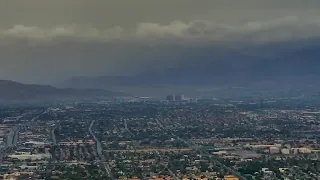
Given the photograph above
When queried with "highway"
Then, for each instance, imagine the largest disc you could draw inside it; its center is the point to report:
(13, 135)
(9, 143)
(10, 138)
(99, 151)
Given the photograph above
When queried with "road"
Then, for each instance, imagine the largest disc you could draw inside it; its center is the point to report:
(203, 152)
(159, 124)
(10, 138)
(169, 170)
(53, 136)
(99, 151)
(126, 127)
(173, 174)
(2, 149)
(16, 136)
(54, 143)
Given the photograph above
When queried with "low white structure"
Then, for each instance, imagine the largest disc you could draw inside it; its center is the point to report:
(30, 156)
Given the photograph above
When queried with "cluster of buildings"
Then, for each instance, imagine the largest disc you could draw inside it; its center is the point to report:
(303, 150)
(28, 151)
(175, 97)
(160, 140)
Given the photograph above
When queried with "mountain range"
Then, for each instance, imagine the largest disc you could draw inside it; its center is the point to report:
(269, 67)
(14, 91)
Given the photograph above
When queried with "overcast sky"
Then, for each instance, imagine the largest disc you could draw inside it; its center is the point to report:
(47, 41)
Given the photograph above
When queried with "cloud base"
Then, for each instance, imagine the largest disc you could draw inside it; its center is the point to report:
(282, 29)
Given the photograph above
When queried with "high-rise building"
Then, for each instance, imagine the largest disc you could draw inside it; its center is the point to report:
(175, 97)
(179, 97)
(171, 97)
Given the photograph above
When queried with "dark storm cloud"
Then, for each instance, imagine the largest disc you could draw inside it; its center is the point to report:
(48, 41)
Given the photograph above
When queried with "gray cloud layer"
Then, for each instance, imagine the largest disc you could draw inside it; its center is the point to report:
(285, 28)
(47, 41)
(107, 13)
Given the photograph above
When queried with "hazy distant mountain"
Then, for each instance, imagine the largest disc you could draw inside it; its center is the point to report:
(219, 72)
(292, 65)
(10, 90)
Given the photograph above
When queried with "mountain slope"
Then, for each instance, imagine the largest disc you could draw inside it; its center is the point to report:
(10, 90)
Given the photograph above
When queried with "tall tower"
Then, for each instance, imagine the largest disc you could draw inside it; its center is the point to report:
(261, 104)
